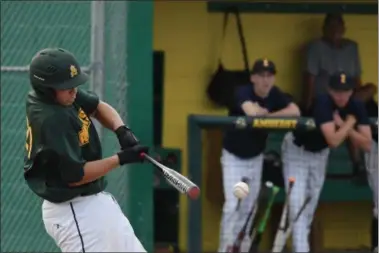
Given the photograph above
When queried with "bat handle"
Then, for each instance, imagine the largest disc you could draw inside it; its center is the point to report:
(143, 155)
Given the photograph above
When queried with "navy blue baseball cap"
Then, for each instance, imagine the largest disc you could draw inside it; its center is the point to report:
(262, 65)
(341, 82)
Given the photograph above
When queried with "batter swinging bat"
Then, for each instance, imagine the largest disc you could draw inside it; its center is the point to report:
(178, 181)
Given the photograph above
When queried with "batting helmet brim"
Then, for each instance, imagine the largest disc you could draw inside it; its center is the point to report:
(82, 78)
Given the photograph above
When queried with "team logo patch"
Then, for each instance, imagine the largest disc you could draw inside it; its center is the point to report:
(73, 71)
(343, 78)
(265, 63)
(310, 124)
(84, 131)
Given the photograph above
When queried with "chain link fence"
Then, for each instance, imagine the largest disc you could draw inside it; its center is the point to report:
(96, 33)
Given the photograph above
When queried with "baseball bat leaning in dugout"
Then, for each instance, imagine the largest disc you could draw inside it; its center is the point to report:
(235, 245)
(280, 233)
(257, 233)
(283, 237)
(175, 179)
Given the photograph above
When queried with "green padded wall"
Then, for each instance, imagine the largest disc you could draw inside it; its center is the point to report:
(140, 103)
(27, 27)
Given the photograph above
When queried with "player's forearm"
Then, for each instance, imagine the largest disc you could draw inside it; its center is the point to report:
(340, 135)
(290, 111)
(250, 108)
(359, 139)
(108, 116)
(96, 169)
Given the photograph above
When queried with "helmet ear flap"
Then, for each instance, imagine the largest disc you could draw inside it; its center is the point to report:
(44, 91)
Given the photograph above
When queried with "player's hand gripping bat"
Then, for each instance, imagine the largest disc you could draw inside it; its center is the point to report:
(178, 181)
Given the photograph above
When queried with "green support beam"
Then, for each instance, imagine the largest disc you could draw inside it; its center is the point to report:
(140, 116)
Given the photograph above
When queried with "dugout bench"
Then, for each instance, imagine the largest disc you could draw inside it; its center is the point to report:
(339, 163)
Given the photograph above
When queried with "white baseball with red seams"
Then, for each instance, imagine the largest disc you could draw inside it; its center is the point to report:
(241, 190)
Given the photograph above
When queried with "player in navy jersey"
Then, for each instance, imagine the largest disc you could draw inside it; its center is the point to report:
(338, 116)
(371, 158)
(242, 148)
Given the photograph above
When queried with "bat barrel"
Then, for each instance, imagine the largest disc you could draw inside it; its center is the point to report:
(178, 181)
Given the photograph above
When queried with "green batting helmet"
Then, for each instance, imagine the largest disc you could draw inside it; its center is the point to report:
(55, 68)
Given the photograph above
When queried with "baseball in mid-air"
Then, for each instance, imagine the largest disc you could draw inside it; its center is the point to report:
(241, 190)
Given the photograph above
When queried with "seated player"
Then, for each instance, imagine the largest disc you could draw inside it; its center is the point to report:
(242, 154)
(305, 154)
(331, 54)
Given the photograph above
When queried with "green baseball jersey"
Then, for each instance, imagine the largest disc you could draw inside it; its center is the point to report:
(59, 141)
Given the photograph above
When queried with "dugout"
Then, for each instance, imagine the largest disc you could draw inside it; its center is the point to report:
(189, 34)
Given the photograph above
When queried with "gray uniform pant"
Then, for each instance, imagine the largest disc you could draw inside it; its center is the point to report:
(308, 169)
(233, 170)
(92, 223)
(372, 173)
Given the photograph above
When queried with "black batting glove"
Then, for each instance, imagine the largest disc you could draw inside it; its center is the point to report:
(132, 155)
(125, 137)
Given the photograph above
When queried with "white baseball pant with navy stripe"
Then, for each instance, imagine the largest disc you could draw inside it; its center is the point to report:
(372, 173)
(92, 223)
(309, 170)
(233, 170)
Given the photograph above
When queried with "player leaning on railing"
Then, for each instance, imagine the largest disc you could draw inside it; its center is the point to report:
(338, 116)
(242, 153)
(63, 161)
(371, 158)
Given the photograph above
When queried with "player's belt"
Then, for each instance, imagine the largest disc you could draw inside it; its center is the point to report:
(85, 194)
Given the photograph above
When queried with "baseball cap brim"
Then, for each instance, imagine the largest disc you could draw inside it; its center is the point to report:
(82, 78)
(341, 87)
(262, 70)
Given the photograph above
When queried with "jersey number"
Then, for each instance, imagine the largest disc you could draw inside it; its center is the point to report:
(29, 138)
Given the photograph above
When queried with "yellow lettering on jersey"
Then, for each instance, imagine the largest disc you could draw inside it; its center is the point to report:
(275, 123)
(84, 132)
(29, 139)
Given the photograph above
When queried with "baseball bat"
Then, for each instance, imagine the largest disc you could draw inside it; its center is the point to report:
(283, 237)
(241, 235)
(230, 245)
(283, 220)
(175, 179)
(257, 233)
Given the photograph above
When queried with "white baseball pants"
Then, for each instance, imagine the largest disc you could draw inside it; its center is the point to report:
(92, 223)
(233, 170)
(372, 173)
(309, 170)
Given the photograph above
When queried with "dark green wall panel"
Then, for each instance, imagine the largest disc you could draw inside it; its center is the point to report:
(140, 116)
